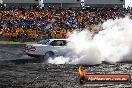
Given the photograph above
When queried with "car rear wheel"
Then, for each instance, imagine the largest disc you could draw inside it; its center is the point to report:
(48, 55)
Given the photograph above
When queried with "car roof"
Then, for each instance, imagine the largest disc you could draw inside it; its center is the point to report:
(58, 39)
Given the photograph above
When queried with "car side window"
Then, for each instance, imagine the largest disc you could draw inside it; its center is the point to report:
(53, 43)
(58, 43)
(43, 42)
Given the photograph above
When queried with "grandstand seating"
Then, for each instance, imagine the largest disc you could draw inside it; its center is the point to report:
(31, 23)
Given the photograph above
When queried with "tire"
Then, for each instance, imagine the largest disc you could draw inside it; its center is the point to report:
(82, 80)
(48, 55)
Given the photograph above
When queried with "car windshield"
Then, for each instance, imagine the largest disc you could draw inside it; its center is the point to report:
(43, 41)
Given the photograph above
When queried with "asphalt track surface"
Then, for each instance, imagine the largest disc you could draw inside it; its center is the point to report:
(18, 70)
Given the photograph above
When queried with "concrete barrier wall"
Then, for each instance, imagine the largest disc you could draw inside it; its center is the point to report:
(104, 2)
(21, 1)
(61, 1)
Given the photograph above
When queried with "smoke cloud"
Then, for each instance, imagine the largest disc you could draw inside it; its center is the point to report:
(112, 44)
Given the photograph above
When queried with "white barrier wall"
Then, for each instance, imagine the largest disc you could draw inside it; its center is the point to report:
(21, 1)
(61, 1)
(104, 1)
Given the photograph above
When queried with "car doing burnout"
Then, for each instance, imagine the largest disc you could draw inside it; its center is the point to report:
(48, 48)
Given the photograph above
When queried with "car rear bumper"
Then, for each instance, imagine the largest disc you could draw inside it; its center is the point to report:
(31, 54)
(34, 55)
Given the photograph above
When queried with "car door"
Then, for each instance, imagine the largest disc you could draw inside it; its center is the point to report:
(57, 46)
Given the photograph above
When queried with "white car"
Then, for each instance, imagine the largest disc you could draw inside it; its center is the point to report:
(48, 48)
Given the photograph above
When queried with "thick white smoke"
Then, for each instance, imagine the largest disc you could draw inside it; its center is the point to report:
(112, 44)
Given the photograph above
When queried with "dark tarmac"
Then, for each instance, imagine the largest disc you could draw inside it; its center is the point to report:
(20, 71)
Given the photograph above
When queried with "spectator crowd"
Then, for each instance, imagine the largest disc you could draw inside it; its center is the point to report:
(36, 23)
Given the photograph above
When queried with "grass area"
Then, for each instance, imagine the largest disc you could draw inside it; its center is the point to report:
(11, 42)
